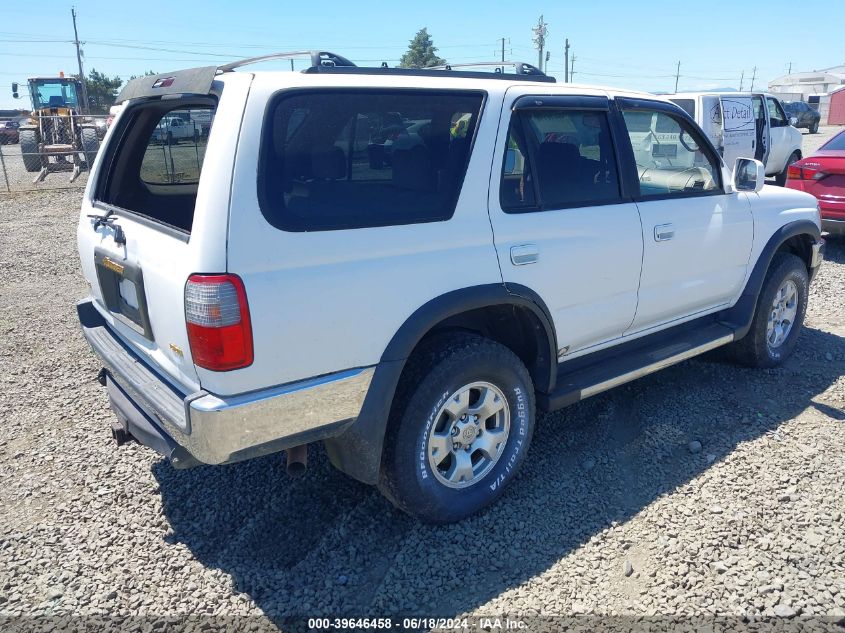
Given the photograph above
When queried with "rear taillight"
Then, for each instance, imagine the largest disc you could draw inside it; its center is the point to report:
(217, 317)
(805, 171)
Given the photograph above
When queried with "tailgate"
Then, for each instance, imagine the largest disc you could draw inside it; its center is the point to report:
(139, 288)
(160, 213)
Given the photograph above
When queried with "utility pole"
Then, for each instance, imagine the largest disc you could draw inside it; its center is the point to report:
(503, 53)
(677, 76)
(753, 77)
(566, 62)
(789, 72)
(540, 32)
(85, 106)
(572, 70)
(741, 79)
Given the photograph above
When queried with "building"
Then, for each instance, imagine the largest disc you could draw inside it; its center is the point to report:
(802, 85)
(832, 107)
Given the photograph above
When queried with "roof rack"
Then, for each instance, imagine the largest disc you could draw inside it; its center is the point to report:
(326, 62)
(319, 59)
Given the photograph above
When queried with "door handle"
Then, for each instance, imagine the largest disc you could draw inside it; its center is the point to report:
(663, 232)
(524, 254)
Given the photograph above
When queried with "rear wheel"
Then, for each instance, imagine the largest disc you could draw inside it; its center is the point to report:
(170, 139)
(459, 430)
(90, 144)
(780, 179)
(779, 314)
(29, 150)
(814, 128)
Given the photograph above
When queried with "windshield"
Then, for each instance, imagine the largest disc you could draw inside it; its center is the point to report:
(54, 93)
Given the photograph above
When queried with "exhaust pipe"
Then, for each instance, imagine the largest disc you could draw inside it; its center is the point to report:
(297, 460)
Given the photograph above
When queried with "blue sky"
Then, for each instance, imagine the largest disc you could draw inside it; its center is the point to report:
(615, 42)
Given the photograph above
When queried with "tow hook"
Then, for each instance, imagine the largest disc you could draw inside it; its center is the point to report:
(102, 377)
(297, 460)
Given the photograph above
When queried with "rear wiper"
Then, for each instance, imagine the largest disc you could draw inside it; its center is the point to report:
(108, 220)
(102, 220)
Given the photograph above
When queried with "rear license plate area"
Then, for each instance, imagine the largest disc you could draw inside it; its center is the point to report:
(122, 287)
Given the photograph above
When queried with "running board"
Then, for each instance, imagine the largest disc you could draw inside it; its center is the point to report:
(581, 378)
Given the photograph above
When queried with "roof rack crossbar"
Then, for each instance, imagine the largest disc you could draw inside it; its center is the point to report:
(520, 68)
(317, 58)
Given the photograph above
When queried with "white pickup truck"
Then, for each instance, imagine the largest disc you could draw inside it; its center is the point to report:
(746, 125)
(172, 129)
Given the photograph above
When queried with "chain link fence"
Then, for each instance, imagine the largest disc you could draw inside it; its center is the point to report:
(49, 151)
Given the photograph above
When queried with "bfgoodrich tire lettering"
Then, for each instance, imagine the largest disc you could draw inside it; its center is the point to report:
(441, 368)
(756, 348)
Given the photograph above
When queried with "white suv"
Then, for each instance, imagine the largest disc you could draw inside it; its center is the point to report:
(405, 265)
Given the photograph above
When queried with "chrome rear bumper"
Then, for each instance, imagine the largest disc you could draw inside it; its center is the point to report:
(222, 429)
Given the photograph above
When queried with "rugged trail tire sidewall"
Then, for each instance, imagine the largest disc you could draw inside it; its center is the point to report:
(754, 349)
(412, 486)
(29, 151)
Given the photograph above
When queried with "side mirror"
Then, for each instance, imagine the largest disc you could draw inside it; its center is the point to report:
(15, 90)
(749, 175)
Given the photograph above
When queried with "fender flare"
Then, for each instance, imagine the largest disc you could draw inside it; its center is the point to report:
(742, 313)
(357, 451)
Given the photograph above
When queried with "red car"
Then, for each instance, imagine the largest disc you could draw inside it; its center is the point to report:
(823, 175)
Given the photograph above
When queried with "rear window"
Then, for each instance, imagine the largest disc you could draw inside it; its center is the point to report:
(837, 142)
(342, 159)
(176, 147)
(155, 161)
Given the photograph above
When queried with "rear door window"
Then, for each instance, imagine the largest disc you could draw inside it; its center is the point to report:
(343, 159)
(571, 155)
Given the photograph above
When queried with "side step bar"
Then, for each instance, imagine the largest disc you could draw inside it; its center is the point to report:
(578, 379)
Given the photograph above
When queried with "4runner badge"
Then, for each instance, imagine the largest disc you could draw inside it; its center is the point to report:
(118, 268)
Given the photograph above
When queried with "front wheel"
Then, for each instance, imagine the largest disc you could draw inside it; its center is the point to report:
(779, 314)
(32, 159)
(460, 429)
(780, 179)
(90, 144)
(814, 128)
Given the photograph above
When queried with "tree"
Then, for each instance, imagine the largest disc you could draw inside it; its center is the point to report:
(147, 73)
(421, 52)
(102, 91)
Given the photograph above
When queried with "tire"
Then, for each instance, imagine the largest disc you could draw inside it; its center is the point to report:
(780, 179)
(90, 144)
(196, 137)
(755, 349)
(456, 370)
(32, 159)
(170, 139)
(814, 128)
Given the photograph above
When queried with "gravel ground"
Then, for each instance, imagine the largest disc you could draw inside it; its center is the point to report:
(703, 490)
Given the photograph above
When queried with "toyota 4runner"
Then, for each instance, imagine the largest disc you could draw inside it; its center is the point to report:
(407, 265)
